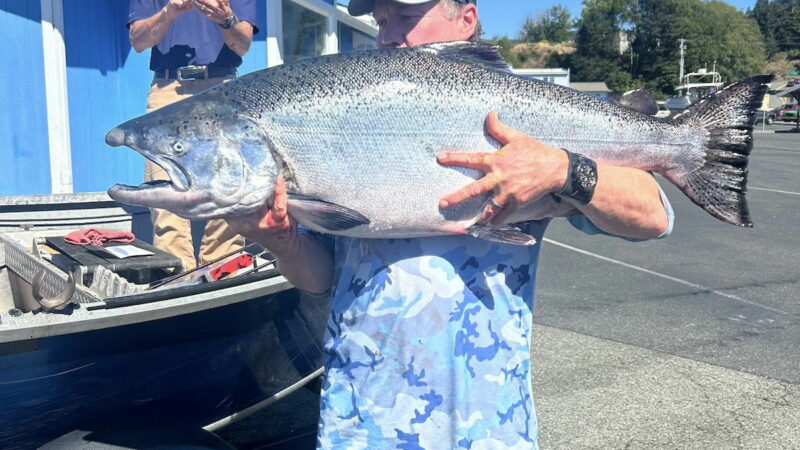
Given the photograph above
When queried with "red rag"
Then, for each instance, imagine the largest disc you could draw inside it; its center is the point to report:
(96, 236)
(231, 266)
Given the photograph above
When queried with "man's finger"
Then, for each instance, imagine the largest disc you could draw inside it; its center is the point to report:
(500, 131)
(280, 201)
(207, 8)
(504, 214)
(496, 206)
(485, 184)
(478, 161)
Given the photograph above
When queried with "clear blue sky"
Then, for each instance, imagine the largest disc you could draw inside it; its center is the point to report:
(505, 17)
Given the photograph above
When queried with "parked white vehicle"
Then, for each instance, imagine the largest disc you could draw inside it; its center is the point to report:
(663, 111)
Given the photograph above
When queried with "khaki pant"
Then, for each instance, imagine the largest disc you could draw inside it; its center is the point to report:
(172, 233)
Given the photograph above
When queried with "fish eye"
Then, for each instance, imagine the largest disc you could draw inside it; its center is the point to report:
(178, 147)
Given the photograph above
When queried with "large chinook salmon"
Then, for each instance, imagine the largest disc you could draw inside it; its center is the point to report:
(356, 137)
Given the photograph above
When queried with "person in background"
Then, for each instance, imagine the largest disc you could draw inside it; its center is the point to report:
(195, 45)
(428, 340)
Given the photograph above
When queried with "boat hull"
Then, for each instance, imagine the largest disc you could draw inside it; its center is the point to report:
(195, 368)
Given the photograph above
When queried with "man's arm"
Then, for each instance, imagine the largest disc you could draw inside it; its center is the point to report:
(302, 258)
(626, 201)
(146, 33)
(239, 36)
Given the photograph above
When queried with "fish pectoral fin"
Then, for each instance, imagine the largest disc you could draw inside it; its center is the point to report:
(324, 215)
(503, 235)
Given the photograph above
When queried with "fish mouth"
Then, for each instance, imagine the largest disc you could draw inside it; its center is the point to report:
(179, 179)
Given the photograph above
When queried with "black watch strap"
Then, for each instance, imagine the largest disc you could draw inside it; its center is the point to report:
(581, 180)
(230, 22)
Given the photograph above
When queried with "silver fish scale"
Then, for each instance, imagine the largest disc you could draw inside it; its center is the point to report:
(363, 129)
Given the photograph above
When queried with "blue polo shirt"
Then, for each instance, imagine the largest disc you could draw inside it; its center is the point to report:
(192, 39)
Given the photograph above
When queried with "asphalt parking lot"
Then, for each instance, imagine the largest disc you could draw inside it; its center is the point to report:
(687, 342)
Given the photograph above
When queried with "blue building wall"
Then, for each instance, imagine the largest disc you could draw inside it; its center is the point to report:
(24, 151)
(107, 83)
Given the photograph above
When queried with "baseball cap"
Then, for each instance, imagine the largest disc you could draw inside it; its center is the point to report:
(361, 7)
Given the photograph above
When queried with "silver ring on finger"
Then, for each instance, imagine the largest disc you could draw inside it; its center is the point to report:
(495, 206)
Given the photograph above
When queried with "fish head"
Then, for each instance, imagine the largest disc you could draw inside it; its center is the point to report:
(217, 159)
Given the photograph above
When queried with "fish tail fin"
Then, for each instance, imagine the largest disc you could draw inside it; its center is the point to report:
(728, 116)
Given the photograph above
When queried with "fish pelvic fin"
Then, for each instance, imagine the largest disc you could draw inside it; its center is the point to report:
(503, 235)
(729, 115)
(323, 215)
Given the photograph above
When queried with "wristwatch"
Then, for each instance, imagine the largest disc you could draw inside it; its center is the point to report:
(581, 180)
(230, 21)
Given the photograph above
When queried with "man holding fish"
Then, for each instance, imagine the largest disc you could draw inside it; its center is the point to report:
(427, 344)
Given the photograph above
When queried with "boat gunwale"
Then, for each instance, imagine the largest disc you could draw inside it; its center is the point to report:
(84, 319)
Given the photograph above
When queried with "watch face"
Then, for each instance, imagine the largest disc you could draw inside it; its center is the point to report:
(587, 175)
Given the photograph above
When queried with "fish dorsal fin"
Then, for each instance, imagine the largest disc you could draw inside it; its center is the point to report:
(469, 53)
(638, 100)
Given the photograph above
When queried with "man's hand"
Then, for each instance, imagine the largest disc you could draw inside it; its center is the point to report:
(270, 226)
(302, 258)
(175, 8)
(522, 171)
(238, 37)
(146, 33)
(215, 10)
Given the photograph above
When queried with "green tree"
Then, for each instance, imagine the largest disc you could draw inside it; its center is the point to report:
(659, 26)
(554, 25)
(779, 21)
(765, 16)
(716, 33)
(598, 55)
(723, 35)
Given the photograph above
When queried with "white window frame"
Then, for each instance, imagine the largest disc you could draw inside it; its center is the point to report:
(333, 15)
